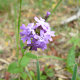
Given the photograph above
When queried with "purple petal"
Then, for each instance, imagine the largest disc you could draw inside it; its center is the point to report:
(29, 41)
(41, 32)
(23, 27)
(30, 25)
(36, 19)
(24, 39)
(42, 19)
(48, 13)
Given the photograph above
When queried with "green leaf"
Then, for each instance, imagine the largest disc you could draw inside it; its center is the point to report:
(71, 58)
(38, 70)
(23, 75)
(15, 79)
(52, 57)
(75, 41)
(29, 55)
(13, 68)
(50, 74)
(24, 61)
(74, 72)
(41, 72)
(22, 45)
(1, 51)
(49, 70)
(32, 74)
(78, 77)
(1, 79)
(46, 68)
(43, 77)
(71, 61)
(77, 54)
(28, 73)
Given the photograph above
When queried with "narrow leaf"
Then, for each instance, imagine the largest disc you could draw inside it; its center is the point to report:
(24, 61)
(52, 57)
(38, 70)
(22, 45)
(29, 55)
(74, 72)
(71, 59)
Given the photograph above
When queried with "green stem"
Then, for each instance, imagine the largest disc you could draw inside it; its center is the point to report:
(18, 30)
(38, 70)
(19, 19)
(54, 9)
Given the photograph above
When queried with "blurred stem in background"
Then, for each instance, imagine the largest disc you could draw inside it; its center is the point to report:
(54, 9)
(17, 29)
(40, 5)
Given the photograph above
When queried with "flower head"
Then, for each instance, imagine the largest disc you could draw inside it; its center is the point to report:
(47, 15)
(41, 23)
(37, 36)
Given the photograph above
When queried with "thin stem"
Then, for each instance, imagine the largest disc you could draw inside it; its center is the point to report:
(18, 30)
(54, 9)
(38, 70)
(19, 19)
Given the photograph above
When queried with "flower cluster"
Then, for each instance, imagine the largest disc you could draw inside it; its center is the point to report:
(38, 35)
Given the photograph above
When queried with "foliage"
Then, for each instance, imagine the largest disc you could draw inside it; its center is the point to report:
(7, 6)
(13, 68)
(29, 55)
(71, 61)
(71, 56)
(75, 41)
(4, 3)
(24, 61)
(74, 72)
(38, 71)
(49, 72)
(23, 75)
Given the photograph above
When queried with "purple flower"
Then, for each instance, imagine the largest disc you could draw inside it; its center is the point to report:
(27, 32)
(37, 36)
(48, 13)
(49, 34)
(41, 23)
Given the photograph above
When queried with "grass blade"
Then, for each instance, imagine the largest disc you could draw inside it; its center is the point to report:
(74, 72)
(52, 57)
(38, 70)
